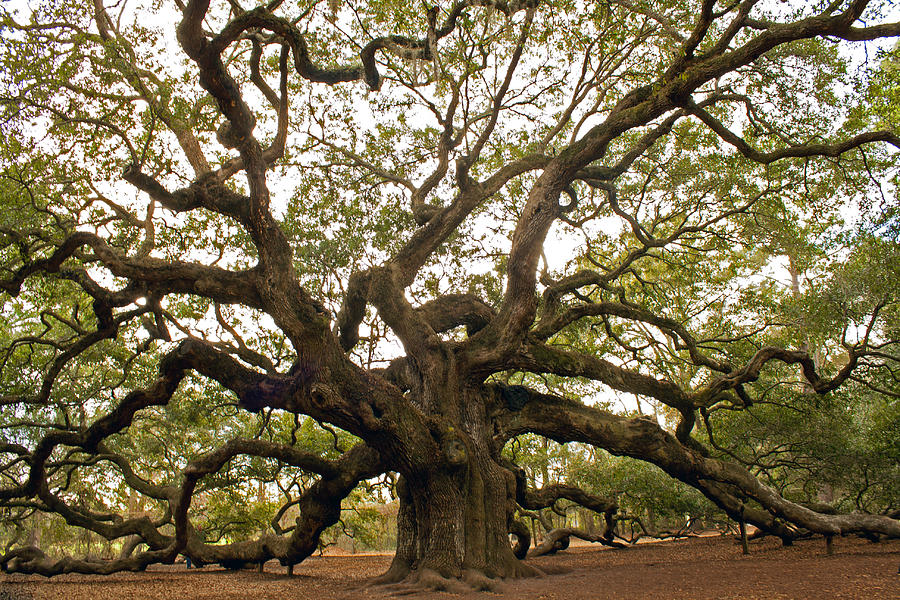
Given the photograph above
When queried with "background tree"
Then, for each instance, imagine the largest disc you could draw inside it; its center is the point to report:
(436, 229)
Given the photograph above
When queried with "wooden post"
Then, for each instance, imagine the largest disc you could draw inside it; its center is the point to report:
(261, 565)
(829, 545)
(745, 546)
(291, 570)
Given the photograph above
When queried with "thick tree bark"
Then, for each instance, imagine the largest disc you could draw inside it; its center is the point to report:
(456, 513)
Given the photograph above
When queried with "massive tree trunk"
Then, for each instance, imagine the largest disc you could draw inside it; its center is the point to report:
(455, 513)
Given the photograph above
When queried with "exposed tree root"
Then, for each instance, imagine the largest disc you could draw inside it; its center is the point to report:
(397, 572)
(401, 581)
(428, 580)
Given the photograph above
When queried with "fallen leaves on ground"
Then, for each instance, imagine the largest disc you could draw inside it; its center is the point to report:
(699, 568)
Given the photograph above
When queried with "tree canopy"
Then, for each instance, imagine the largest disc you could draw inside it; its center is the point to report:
(293, 252)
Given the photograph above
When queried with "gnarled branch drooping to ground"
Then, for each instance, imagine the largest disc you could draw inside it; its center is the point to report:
(644, 439)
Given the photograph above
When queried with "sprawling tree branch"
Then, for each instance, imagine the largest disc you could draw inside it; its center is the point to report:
(608, 125)
(566, 421)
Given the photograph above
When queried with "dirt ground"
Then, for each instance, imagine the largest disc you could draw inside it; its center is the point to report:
(699, 568)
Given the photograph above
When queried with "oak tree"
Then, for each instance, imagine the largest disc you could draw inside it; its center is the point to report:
(431, 228)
